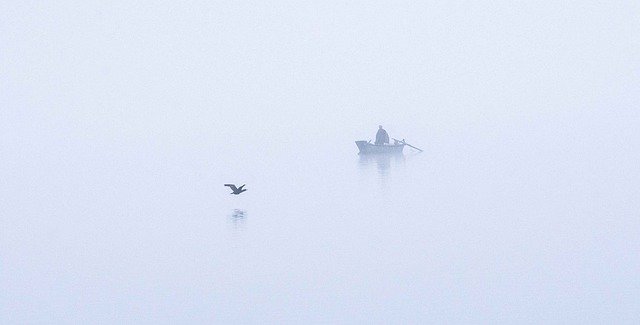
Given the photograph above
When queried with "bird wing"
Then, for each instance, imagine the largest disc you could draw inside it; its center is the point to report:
(233, 187)
(240, 188)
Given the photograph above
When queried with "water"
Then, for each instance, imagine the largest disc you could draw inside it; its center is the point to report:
(501, 228)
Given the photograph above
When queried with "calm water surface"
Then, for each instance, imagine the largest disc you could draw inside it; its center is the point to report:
(471, 230)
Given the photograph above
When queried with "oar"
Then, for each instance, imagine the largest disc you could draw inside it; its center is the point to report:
(407, 144)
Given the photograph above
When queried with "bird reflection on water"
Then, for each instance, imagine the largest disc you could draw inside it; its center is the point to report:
(238, 218)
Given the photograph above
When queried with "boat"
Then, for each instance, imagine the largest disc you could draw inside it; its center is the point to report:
(366, 147)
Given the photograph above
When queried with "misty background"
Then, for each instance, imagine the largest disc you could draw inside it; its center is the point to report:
(121, 120)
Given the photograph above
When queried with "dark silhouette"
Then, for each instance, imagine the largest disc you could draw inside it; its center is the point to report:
(381, 137)
(236, 190)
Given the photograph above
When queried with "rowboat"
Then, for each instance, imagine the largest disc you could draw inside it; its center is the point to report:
(366, 147)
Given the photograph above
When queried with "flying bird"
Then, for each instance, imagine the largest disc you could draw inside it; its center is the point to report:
(236, 190)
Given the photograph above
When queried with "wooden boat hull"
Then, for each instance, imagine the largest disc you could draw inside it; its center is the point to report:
(366, 147)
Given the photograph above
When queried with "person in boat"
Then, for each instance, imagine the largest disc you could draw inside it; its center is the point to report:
(382, 137)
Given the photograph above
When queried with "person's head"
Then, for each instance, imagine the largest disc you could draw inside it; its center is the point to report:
(379, 126)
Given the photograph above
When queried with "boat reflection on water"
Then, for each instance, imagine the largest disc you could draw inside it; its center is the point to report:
(383, 162)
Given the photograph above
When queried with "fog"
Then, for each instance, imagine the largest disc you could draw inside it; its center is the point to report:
(120, 122)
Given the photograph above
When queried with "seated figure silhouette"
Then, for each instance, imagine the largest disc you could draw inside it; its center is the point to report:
(382, 137)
